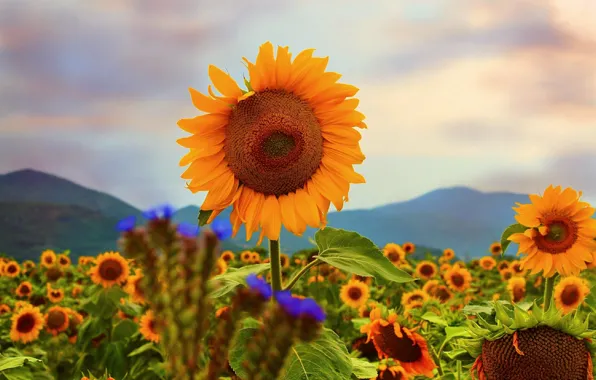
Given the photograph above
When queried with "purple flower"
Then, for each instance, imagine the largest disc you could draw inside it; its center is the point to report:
(259, 285)
(164, 211)
(222, 228)
(126, 224)
(188, 230)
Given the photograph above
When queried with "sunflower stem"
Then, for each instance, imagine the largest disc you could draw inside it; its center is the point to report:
(548, 291)
(298, 275)
(275, 265)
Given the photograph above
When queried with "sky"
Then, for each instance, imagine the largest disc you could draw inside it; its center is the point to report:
(494, 95)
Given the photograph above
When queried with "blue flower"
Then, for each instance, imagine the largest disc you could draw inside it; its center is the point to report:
(126, 224)
(259, 285)
(298, 307)
(188, 230)
(222, 228)
(311, 308)
(164, 211)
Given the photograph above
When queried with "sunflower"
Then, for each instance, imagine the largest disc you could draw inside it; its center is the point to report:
(569, 293)
(502, 265)
(430, 286)
(53, 273)
(364, 310)
(110, 269)
(57, 320)
(458, 278)
(48, 258)
(255, 258)
(517, 288)
(516, 268)
(445, 267)
(134, 288)
(560, 235)
(63, 261)
(367, 280)
(395, 372)
(279, 153)
(55, 295)
(12, 269)
(399, 343)
(76, 290)
(318, 278)
(284, 260)
(84, 260)
(506, 274)
(448, 253)
(487, 263)
(227, 256)
(27, 322)
(394, 253)
(245, 257)
(414, 296)
(426, 269)
(442, 293)
(24, 289)
(354, 294)
(495, 249)
(28, 265)
(4, 309)
(220, 267)
(409, 248)
(148, 327)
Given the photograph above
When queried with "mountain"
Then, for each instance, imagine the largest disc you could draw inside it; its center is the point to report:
(39, 211)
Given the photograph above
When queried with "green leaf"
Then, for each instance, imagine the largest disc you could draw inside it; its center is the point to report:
(457, 354)
(116, 360)
(456, 331)
(248, 85)
(478, 309)
(512, 229)
(433, 318)
(363, 369)
(204, 216)
(359, 322)
(124, 329)
(14, 362)
(234, 277)
(144, 348)
(353, 253)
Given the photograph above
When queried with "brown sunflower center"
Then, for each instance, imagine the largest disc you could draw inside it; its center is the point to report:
(496, 249)
(408, 248)
(414, 298)
(518, 293)
(393, 256)
(442, 293)
(274, 143)
(152, 326)
(503, 265)
(48, 260)
(354, 293)
(53, 274)
(507, 275)
(457, 279)
(56, 293)
(11, 269)
(56, 319)
(110, 270)
(402, 349)
(283, 260)
(25, 289)
(388, 375)
(561, 235)
(63, 261)
(427, 270)
(570, 295)
(138, 287)
(25, 323)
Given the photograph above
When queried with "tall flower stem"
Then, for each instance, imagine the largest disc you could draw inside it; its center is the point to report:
(548, 291)
(275, 265)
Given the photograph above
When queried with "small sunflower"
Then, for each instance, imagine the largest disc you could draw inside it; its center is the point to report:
(426, 269)
(57, 320)
(561, 234)
(394, 253)
(487, 263)
(255, 257)
(85, 260)
(28, 265)
(502, 265)
(448, 253)
(445, 267)
(367, 280)
(12, 269)
(506, 274)
(399, 343)
(63, 261)
(148, 327)
(220, 267)
(395, 372)
(24, 289)
(517, 288)
(458, 278)
(569, 293)
(313, 279)
(227, 256)
(442, 293)
(55, 295)
(279, 153)
(48, 258)
(430, 286)
(134, 287)
(4, 309)
(417, 295)
(516, 268)
(76, 290)
(409, 248)
(110, 269)
(53, 273)
(495, 249)
(27, 322)
(364, 310)
(354, 294)
(284, 260)
(246, 257)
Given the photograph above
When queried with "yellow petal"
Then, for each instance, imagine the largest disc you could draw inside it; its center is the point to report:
(204, 123)
(224, 82)
(271, 218)
(207, 104)
(306, 207)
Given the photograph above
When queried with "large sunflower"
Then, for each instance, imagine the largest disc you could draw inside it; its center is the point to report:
(569, 293)
(279, 153)
(110, 269)
(561, 233)
(26, 324)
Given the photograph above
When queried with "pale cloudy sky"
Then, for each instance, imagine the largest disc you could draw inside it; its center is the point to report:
(496, 95)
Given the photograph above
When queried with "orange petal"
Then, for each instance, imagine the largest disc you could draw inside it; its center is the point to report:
(283, 66)
(207, 104)
(271, 218)
(306, 207)
(203, 123)
(224, 82)
(266, 65)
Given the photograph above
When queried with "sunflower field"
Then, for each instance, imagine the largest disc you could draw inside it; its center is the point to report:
(171, 304)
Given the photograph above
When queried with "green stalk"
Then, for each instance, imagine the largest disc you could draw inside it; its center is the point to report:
(301, 273)
(548, 291)
(275, 265)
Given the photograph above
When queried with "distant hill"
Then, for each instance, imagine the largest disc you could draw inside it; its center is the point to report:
(39, 210)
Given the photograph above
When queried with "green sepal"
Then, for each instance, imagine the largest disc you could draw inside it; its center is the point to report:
(501, 314)
(204, 216)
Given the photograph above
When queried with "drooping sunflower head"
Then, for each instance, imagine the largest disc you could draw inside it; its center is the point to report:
(57, 320)
(12, 269)
(148, 327)
(442, 293)
(110, 269)
(63, 261)
(495, 249)
(394, 372)
(354, 294)
(560, 235)
(458, 278)
(487, 263)
(516, 286)
(409, 248)
(426, 269)
(448, 253)
(24, 289)
(280, 152)
(134, 287)
(394, 252)
(430, 286)
(227, 256)
(416, 295)
(569, 293)
(26, 324)
(516, 268)
(48, 258)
